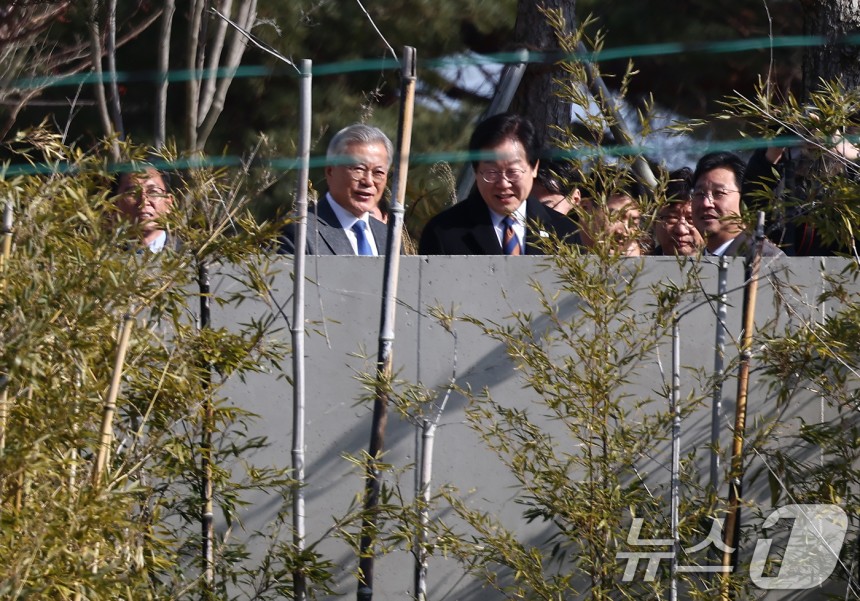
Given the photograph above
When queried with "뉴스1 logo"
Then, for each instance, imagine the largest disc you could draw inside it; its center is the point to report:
(810, 555)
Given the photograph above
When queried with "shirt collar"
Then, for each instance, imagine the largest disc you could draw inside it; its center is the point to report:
(519, 214)
(721, 249)
(346, 219)
(157, 245)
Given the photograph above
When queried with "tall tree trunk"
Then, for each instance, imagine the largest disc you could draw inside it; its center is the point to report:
(833, 59)
(538, 95)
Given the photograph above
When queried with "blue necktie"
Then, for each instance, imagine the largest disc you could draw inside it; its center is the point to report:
(362, 243)
(510, 242)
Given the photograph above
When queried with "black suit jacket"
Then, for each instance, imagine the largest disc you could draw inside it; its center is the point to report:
(744, 246)
(325, 236)
(467, 229)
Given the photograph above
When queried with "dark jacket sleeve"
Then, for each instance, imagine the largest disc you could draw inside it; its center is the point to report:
(430, 244)
(287, 240)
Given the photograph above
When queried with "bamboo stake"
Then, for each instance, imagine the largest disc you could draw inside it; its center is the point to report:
(732, 526)
(676, 453)
(4, 262)
(384, 363)
(719, 371)
(298, 327)
(428, 434)
(110, 402)
(207, 521)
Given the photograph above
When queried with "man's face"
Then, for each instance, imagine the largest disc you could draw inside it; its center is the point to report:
(674, 229)
(717, 206)
(623, 224)
(358, 186)
(505, 181)
(616, 227)
(143, 199)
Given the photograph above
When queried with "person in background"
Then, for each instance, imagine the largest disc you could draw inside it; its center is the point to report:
(716, 204)
(557, 185)
(796, 176)
(144, 199)
(500, 216)
(612, 218)
(674, 232)
(342, 222)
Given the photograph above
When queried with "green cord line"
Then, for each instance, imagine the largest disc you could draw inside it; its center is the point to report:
(455, 157)
(383, 64)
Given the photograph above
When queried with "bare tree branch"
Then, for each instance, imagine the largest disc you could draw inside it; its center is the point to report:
(116, 109)
(163, 67)
(96, 53)
(246, 18)
(264, 47)
(193, 81)
(214, 59)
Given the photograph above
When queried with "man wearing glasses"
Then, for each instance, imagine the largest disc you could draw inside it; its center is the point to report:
(144, 200)
(359, 158)
(674, 232)
(500, 217)
(716, 204)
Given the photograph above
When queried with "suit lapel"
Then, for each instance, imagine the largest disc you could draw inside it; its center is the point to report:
(536, 217)
(738, 247)
(380, 234)
(482, 232)
(330, 231)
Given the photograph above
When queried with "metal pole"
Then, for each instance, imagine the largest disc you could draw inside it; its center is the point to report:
(719, 370)
(384, 365)
(298, 326)
(676, 453)
(732, 526)
(616, 121)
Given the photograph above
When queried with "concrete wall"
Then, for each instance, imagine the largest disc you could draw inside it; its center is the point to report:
(343, 314)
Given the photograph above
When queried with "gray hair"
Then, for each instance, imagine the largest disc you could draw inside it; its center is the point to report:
(358, 133)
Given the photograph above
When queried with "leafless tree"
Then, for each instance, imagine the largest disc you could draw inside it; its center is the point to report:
(538, 95)
(834, 59)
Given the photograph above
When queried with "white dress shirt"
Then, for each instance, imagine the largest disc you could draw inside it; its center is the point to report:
(347, 220)
(721, 250)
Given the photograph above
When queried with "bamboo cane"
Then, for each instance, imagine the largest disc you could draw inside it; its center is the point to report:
(719, 371)
(207, 522)
(676, 453)
(732, 525)
(4, 261)
(298, 326)
(110, 402)
(386, 330)
(428, 432)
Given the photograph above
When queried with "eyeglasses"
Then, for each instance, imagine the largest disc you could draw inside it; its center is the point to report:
(360, 172)
(715, 195)
(148, 192)
(673, 220)
(492, 176)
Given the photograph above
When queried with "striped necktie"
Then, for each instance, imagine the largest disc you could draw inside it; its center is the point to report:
(359, 228)
(510, 242)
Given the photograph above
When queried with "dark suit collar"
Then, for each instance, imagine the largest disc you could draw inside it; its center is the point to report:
(483, 233)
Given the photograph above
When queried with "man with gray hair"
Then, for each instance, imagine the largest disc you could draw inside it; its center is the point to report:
(359, 158)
